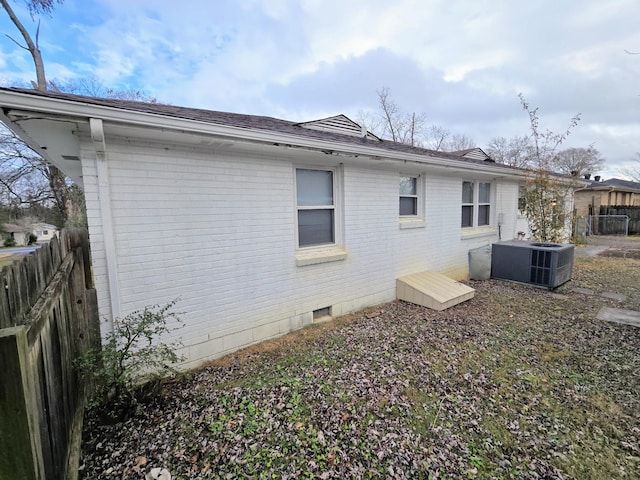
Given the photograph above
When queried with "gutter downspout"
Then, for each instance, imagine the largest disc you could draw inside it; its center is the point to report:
(104, 199)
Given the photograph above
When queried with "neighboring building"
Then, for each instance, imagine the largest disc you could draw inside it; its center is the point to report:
(19, 235)
(258, 225)
(43, 231)
(609, 193)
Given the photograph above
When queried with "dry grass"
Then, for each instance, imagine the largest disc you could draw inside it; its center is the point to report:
(516, 383)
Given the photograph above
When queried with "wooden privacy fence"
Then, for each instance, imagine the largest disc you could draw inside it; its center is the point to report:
(48, 317)
(632, 212)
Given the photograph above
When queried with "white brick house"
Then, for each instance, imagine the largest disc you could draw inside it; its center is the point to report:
(257, 223)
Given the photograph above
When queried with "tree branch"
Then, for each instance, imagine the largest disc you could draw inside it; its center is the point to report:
(15, 41)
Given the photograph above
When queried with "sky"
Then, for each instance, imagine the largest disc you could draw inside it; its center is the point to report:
(462, 63)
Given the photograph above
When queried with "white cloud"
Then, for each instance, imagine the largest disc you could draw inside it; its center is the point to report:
(460, 62)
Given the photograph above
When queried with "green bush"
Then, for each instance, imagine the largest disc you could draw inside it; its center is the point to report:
(130, 357)
(33, 238)
(10, 242)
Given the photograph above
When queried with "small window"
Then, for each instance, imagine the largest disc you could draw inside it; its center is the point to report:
(316, 207)
(45, 232)
(408, 196)
(467, 204)
(476, 204)
(484, 203)
(522, 201)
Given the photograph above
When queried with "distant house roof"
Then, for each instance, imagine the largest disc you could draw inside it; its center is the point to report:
(338, 130)
(12, 228)
(45, 226)
(614, 184)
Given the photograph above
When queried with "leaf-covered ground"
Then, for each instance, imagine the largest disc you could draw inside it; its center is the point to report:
(517, 383)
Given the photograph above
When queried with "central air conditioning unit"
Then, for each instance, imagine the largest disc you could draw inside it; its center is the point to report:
(541, 264)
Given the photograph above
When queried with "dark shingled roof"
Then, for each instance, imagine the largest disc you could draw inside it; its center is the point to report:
(256, 122)
(616, 183)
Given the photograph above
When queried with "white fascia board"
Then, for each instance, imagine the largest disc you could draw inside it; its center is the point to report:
(55, 106)
(62, 148)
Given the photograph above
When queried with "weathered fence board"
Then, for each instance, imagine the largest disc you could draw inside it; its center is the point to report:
(24, 281)
(16, 424)
(633, 212)
(48, 319)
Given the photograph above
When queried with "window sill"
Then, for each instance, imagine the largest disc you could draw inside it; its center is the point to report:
(406, 223)
(478, 232)
(320, 255)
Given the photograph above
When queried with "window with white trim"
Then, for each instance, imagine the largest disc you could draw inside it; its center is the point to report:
(522, 201)
(476, 204)
(315, 204)
(408, 196)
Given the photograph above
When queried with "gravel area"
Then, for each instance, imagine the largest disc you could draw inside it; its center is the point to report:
(518, 382)
(611, 246)
(632, 241)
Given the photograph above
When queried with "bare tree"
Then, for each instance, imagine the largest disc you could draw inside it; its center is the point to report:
(633, 172)
(57, 181)
(414, 129)
(514, 151)
(396, 125)
(25, 178)
(36, 7)
(23, 173)
(545, 143)
(24, 182)
(458, 142)
(578, 161)
(93, 87)
(410, 128)
(436, 138)
(544, 193)
(392, 122)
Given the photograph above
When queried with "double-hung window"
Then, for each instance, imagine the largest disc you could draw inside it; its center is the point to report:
(476, 204)
(522, 201)
(484, 203)
(408, 196)
(316, 206)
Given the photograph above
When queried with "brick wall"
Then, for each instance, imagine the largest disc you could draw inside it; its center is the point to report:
(217, 230)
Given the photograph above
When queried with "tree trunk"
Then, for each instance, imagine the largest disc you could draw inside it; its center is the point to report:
(56, 178)
(58, 184)
(31, 46)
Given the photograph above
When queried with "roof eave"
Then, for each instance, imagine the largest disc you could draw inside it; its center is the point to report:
(26, 104)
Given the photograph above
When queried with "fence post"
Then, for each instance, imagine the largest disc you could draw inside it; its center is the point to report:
(21, 456)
